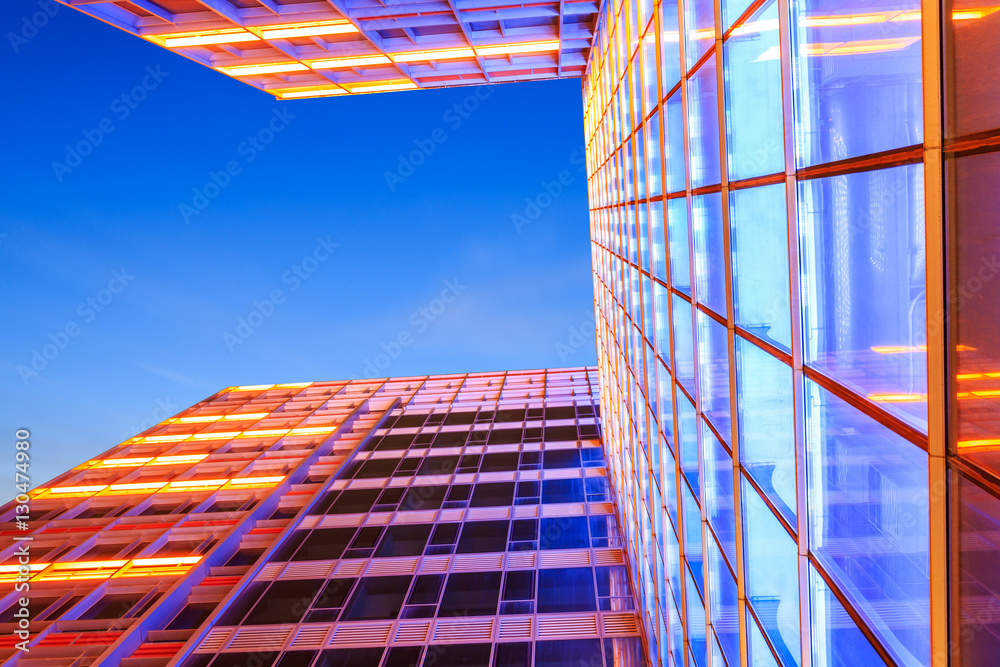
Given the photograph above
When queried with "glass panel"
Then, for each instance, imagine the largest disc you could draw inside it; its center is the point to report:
(755, 123)
(760, 653)
(677, 236)
(674, 128)
(683, 343)
(696, 626)
(973, 101)
(976, 540)
(838, 43)
(771, 555)
(767, 424)
(650, 95)
(703, 125)
(713, 357)
(709, 251)
(662, 324)
(692, 536)
(868, 514)
(719, 497)
(759, 228)
(687, 431)
(653, 154)
(670, 52)
(836, 640)
(657, 238)
(972, 213)
(724, 604)
(699, 26)
(732, 10)
(863, 284)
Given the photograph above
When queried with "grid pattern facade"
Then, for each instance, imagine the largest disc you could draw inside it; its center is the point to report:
(444, 520)
(785, 377)
(295, 49)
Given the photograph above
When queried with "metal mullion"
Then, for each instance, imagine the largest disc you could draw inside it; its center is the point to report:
(938, 352)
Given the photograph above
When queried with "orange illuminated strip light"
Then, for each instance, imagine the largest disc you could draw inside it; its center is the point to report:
(512, 49)
(309, 92)
(897, 398)
(979, 444)
(179, 485)
(886, 17)
(978, 376)
(439, 54)
(861, 46)
(148, 460)
(350, 61)
(381, 86)
(898, 349)
(204, 38)
(339, 27)
(274, 68)
(105, 569)
(986, 393)
(246, 416)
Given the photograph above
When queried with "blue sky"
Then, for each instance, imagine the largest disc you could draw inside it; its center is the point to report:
(167, 231)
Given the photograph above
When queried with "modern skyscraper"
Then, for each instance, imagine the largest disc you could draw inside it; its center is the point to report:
(443, 520)
(793, 222)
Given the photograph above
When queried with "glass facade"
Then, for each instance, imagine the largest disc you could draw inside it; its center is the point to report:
(815, 199)
(444, 520)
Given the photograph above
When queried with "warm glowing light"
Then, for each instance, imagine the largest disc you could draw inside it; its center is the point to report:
(204, 38)
(897, 398)
(137, 486)
(339, 27)
(884, 17)
(251, 387)
(241, 481)
(978, 376)
(854, 48)
(511, 49)
(158, 562)
(379, 87)
(216, 435)
(167, 438)
(125, 462)
(312, 430)
(264, 433)
(754, 27)
(295, 384)
(899, 349)
(318, 92)
(196, 483)
(246, 416)
(178, 458)
(978, 444)
(349, 61)
(249, 70)
(963, 348)
(78, 489)
(438, 54)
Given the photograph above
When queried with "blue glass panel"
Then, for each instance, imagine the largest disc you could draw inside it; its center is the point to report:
(676, 634)
(670, 51)
(713, 358)
(669, 486)
(754, 119)
(666, 406)
(639, 146)
(767, 424)
(836, 118)
(720, 508)
(650, 96)
(653, 155)
(692, 536)
(724, 609)
(772, 585)
(677, 237)
(662, 299)
(674, 128)
(864, 277)
(868, 520)
(732, 10)
(696, 626)
(683, 343)
(759, 228)
(760, 653)
(687, 439)
(836, 639)
(709, 251)
(657, 241)
(699, 28)
(703, 126)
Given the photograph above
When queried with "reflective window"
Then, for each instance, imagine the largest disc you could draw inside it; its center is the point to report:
(696, 625)
(973, 102)
(772, 586)
(699, 26)
(724, 604)
(836, 640)
(683, 343)
(653, 172)
(713, 358)
(674, 128)
(760, 652)
(692, 536)
(687, 438)
(868, 514)
(566, 590)
(759, 228)
(720, 508)
(838, 43)
(709, 251)
(767, 424)
(703, 125)
(677, 235)
(657, 242)
(974, 597)
(863, 284)
(670, 52)
(754, 119)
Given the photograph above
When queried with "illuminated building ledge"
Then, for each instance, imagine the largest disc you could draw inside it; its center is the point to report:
(469, 629)
(323, 49)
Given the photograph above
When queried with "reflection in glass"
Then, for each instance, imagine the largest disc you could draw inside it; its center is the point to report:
(868, 520)
(703, 125)
(755, 125)
(677, 238)
(759, 229)
(683, 343)
(767, 424)
(836, 640)
(719, 497)
(709, 251)
(863, 278)
(772, 584)
(836, 45)
(687, 432)
(976, 595)
(713, 357)
(723, 603)
(674, 128)
(670, 46)
(699, 26)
